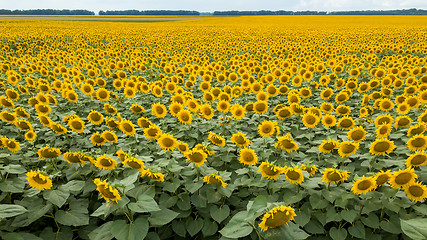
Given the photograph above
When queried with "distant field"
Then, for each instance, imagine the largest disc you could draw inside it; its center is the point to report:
(103, 18)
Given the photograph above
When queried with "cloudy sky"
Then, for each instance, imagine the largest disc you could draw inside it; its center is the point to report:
(220, 5)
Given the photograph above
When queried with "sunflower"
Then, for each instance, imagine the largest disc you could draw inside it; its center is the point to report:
(30, 135)
(21, 112)
(331, 175)
(102, 94)
(214, 179)
(417, 142)
(207, 111)
(109, 136)
(329, 120)
(58, 128)
(248, 156)
(152, 132)
(260, 107)
(76, 125)
(267, 128)
(347, 148)
(386, 105)
(216, 139)
(159, 110)
(422, 118)
(286, 143)
(144, 122)
(175, 108)
(310, 120)
(159, 177)
(294, 175)
(402, 178)
(240, 140)
(23, 124)
(385, 118)
(416, 159)
(277, 217)
(223, 106)
(182, 147)
(270, 171)
(416, 191)
(383, 130)
(97, 139)
(341, 97)
(357, 134)
(73, 157)
(419, 128)
(184, 116)
(127, 127)
(205, 149)
(382, 177)
(95, 117)
(8, 116)
(402, 121)
(310, 169)
(326, 107)
(108, 108)
(134, 163)
(106, 190)
(346, 123)
(381, 146)
(42, 109)
(238, 111)
(328, 146)
(364, 185)
(48, 152)
(167, 142)
(39, 180)
(104, 162)
(198, 157)
(283, 113)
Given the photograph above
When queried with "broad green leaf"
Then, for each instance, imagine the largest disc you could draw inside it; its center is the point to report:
(349, 215)
(415, 228)
(20, 236)
(285, 232)
(209, 228)
(193, 186)
(314, 227)
(391, 226)
(219, 214)
(259, 204)
(371, 221)
(133, 231)
(145, 203)
(102, 232)
(72, 217)
(178, 226)
(338, 234)
(11, 210)
(238, 226)
(56, 197)
(193, 226)
(14, 169)
(73, 186)
(162, 217)
(357, 230)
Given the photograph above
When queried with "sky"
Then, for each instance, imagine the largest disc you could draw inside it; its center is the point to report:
(216, 5)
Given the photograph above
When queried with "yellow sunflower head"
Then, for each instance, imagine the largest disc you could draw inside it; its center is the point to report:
(270, 171)
(248, 156)
(95, 117)
(104, 162)
(347, 148)
(167, 142)
(127, 127)
(48, 152)
(215, 179)
(364, 185)
(294, 175)
(267, 128)
(402, 178)
(39, 180)
(106, 190)
(416, 191)
(277, 217)
(196, 156)
(331, 175)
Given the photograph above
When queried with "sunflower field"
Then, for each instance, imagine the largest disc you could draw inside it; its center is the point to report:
(292, 127)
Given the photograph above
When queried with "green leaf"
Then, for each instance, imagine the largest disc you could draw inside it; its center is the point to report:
(20, 236)
(193, 226)
(102, 232)
(314, 227)
(415, 228)
(193, 186)
(391, 226)
(14, 169)
(371, 221)
(219, 214)
(285, 232)
(145, 203)
(11, 210)
(38, 212)
(421, 209)
(73, 186)
(337, 234)
(349, 215)
(56, 197)
(13, 185)
(162, 217)
(178, 226)
(259, 204)
(133, 231)
(72, 217)
(237, 227)
(209, 228)
(332, 215)
(357, 230)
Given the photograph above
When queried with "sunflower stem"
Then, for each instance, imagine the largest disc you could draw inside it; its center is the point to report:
(329, 185)
(256, 230)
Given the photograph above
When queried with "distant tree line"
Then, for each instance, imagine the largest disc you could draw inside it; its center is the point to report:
(45, 12)
(266, 12)
(412, 11)
(149, 12)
